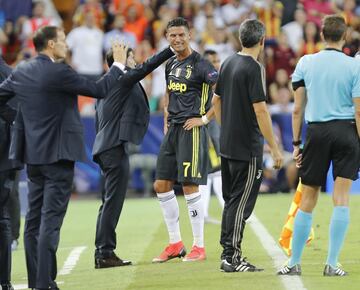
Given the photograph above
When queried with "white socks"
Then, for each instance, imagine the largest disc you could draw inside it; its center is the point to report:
(196, 215)
(170, 209)
(214, 180)
(217, 185)
(205, 195)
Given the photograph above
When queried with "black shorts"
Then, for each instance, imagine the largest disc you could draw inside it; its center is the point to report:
(334, 141)
(183, 155)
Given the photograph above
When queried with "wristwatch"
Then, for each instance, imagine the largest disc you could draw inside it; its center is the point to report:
(296, 143)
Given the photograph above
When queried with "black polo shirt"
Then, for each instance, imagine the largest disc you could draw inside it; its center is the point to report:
(241, 83)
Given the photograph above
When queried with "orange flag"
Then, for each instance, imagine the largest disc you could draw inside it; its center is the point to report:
(287, 230)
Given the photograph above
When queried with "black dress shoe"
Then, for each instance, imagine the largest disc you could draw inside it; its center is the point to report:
(112, 261)
(6, 287)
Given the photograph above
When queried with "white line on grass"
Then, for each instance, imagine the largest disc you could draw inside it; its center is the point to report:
(276, 254)
(69, 265)
(71, 260)
(20, 286)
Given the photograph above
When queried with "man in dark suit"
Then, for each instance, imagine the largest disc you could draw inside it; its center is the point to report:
(7, 176)
(47, 136)
(122, 117)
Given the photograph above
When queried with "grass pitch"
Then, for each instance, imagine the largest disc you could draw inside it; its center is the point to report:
(142, 235)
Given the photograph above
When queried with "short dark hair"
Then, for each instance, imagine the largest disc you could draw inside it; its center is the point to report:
(110, 56)
(251, 32)
(209, 52)
(176, 22)
(43, 35)
(333, 27)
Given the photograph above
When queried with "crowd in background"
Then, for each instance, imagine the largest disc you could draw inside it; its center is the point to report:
(292, 30)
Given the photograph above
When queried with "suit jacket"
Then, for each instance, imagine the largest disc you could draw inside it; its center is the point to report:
(9, 111)
(124, 114)
(48, 127)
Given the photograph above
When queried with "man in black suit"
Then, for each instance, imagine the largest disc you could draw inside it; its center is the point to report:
(47, 136)
(7, 176)
(122, 117)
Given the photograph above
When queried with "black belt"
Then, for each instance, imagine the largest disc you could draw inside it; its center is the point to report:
(333, 121)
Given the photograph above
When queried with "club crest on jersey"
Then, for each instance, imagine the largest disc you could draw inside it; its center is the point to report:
(177, 87)
(188, 71)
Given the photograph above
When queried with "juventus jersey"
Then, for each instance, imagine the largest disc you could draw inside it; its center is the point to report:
(189, 83)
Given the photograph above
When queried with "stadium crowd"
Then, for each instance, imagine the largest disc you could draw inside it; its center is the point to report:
(292, 30)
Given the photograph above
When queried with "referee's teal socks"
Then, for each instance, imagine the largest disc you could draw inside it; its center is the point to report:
(337, 231)
(302, 227)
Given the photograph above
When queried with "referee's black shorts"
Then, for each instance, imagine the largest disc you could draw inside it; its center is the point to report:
(183, 155)
(335, 141)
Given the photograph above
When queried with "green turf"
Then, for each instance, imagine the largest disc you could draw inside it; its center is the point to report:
(142, 235)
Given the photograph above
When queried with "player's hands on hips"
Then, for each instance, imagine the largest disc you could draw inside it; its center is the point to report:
(119, 51)
(277, 158)
(297, 156)
(193, 122)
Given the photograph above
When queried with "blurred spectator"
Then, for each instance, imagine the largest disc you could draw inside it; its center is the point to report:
(37, 20)
(85, 43)
(119, 6)
(317, 9)
(348, 13)
(118, 33)
(188, 10)
(311, 42)
(281, 81)
(142, 52)
(209, 12)
(11, 50)
(234, 13)
(295, 30)
(165, 14)
(95, 8)
(271, 16)
(284, 56)
(136, 22)
(222, 44)
(282, 104)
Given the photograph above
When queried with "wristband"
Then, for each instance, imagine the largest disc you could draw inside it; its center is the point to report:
(296, 143)
(205, 120)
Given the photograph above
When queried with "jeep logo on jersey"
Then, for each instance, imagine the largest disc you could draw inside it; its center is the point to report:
(177, 87)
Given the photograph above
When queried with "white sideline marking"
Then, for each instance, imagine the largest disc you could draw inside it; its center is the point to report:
(69, 265)
(276, 254)
(20, 286)
(71, 260)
